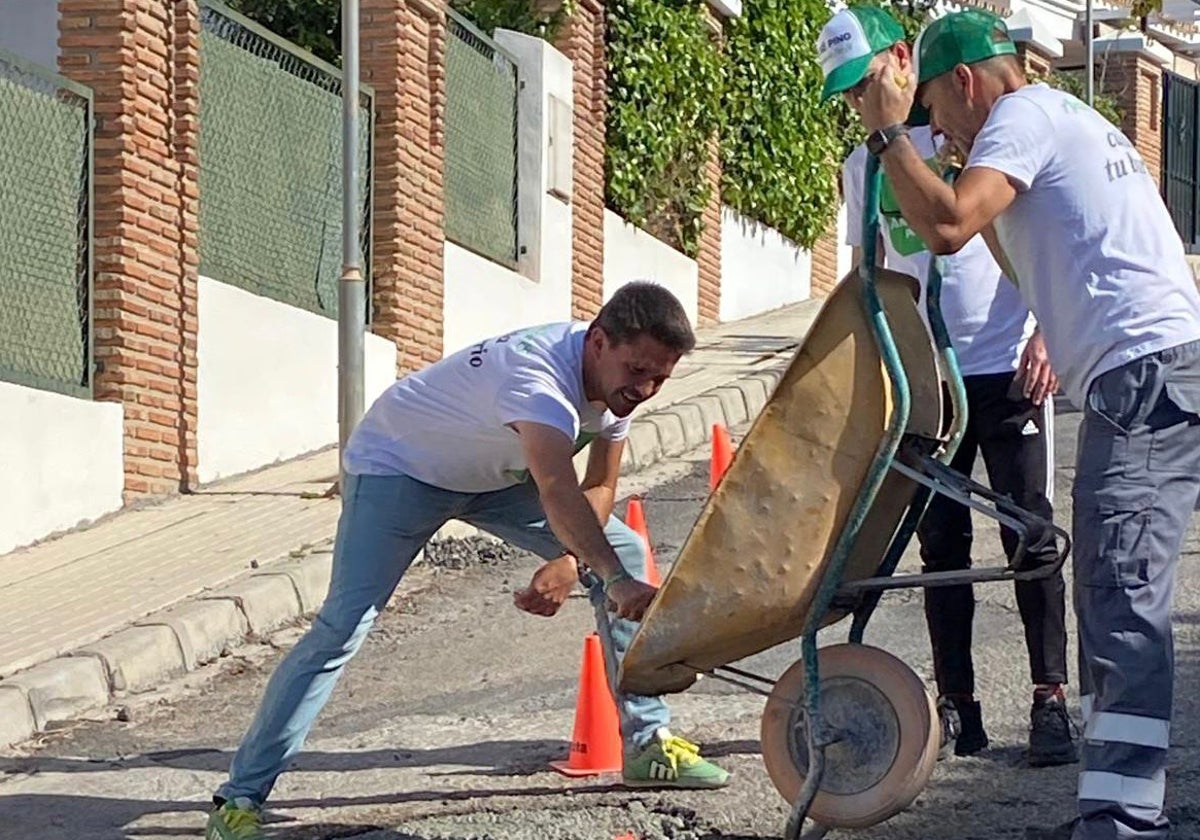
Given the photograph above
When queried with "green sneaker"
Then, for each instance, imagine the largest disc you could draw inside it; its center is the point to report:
(669, 761)
(236, 819)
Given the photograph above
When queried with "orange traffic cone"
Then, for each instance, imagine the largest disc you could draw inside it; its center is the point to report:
(722, 456)
(596, 737)
(635, 518)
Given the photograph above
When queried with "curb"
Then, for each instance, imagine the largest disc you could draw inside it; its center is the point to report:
(195, 632)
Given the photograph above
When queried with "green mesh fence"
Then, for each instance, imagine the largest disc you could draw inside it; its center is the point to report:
(45, 228)
(481, 144)
(271, 165)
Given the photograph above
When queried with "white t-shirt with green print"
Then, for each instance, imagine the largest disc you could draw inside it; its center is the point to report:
(448, 425)
(984, 313)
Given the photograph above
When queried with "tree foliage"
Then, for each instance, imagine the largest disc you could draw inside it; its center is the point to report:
(314, 25)
(518, 15)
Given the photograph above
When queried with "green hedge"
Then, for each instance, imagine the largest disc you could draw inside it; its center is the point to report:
(665, 80)
(782, 146)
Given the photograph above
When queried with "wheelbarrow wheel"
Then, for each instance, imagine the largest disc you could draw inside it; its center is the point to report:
(885, 730)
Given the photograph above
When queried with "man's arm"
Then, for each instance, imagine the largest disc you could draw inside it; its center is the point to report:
(946, 217)
(549, 454)
(554, 580)
(600, 479)
(998, 254)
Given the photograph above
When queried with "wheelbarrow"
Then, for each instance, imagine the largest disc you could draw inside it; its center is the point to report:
(807, 528)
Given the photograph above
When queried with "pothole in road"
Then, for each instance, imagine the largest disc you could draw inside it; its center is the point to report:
(590, 821)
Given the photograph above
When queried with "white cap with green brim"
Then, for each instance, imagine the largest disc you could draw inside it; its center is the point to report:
(849, 41)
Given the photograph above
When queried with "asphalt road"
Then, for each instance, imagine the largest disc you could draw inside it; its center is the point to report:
(443, 727)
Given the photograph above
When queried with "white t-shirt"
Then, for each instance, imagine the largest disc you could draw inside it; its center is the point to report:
(984, 314)
(1091, 241)
(447, 425)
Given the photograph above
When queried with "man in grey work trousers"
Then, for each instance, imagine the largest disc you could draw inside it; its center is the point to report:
(1062, 196)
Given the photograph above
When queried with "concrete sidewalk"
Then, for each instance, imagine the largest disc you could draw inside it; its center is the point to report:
(148, 594)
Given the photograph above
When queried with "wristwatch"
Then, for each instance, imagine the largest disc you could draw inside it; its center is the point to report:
(881, 138)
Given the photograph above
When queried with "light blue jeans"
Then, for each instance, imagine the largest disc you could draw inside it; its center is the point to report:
(385, 521)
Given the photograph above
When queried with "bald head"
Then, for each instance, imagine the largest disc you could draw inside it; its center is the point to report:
(960, 100)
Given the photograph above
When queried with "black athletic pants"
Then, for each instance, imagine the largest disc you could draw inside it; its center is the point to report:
(1011, 435)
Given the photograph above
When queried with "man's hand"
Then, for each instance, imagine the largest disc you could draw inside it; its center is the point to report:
(631, 598)
(888, 98)
(550, 587)
(1037, 378)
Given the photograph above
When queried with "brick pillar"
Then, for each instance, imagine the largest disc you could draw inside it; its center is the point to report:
(1136, 82)
(1035, 61)
(403, 44)
(141, 59)
(582, 41)
(708, 257)
(824, 262)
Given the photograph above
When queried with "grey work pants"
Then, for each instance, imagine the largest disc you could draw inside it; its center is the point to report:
(1136, 485)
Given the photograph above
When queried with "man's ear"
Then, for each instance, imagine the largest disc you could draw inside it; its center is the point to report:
(903, 55)
(964, 80)
(596, 337)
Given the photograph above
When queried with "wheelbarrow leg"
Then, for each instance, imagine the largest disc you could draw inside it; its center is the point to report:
(818, 738)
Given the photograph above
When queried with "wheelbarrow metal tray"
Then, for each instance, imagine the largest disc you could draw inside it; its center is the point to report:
(754, 559)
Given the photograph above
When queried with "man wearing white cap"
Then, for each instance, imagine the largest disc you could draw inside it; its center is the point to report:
(1008, 382)
(1068, 201)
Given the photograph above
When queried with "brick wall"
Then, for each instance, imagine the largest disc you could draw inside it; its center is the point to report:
(403, 47)
(1136, 82)
(824, 263)
(141, 59)
(1036, 62)
(708, 257)
(824, 256)
(582, 41)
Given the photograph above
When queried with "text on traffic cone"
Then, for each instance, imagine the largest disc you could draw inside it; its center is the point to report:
(596, 736)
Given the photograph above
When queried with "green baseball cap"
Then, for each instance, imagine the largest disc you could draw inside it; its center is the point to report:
(849, 41)
(960, 38)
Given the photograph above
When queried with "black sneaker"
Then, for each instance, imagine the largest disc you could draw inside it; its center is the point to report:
(1051, 733)
(951, 726)
(972, 738)
(962, 727)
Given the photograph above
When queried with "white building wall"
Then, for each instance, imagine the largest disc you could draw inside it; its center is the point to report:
(61, 462)
(632, 254)
(760, 268)
(267, 380)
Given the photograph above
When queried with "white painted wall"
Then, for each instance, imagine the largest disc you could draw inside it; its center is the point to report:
(632, 254)
(760, 268)
(267, 380)
(29, 28)
(61, 462)
(845, 254)
(483, 298)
